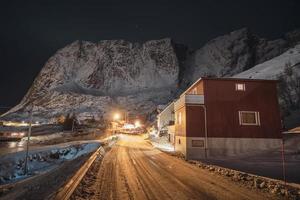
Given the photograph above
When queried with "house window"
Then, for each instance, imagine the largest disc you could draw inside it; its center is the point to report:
(194, 91)
(197, 143)
(249, 118)
(240, 87)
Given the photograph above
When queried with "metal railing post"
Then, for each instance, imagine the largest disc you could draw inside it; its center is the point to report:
(28, 140)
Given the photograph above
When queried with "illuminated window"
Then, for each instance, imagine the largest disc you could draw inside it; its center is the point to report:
(240, 87)
(249, 118)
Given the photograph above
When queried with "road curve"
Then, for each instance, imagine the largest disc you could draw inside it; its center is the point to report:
(133, 169)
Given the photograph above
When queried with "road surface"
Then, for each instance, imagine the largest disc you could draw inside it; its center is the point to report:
(133, 169)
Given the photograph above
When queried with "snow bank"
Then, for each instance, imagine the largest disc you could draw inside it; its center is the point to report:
(161, 143)
(41, 160)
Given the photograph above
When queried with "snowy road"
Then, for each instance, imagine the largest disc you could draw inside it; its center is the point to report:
(133, 169)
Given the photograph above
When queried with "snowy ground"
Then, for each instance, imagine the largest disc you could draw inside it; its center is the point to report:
(161, 143)
(42, 159)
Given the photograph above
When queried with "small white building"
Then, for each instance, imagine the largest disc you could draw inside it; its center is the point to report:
(165, 120)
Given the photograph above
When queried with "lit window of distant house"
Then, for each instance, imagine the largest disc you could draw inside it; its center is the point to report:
(240, 87)
(179, 118)
(249, 118)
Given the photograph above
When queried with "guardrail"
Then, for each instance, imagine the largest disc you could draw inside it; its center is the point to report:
(69, 188)
(66, 192)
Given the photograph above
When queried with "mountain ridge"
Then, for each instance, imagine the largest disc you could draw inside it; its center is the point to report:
(86, 77)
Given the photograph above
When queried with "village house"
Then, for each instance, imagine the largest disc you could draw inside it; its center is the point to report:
(165, 122)
(226, 116)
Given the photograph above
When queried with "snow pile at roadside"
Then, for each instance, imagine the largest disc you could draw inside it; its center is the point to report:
(42, 160)
(161, 143)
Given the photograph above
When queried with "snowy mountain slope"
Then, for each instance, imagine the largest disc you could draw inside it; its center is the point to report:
(94, 79)
(109, 67)
(274, 67)
(231, 54)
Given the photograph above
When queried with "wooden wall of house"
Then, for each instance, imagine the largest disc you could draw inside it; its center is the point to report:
(199, 88)
(180, 129)
(223, 103)
(195, 121)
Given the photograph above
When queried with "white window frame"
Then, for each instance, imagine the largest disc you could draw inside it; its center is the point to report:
(240, 87)
(257, 118)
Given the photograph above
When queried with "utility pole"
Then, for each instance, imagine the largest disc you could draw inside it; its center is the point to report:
(28, 140)
(73, 122)
(283, 161)
(125, 116)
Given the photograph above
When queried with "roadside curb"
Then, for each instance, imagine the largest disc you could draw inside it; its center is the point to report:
(265, 184)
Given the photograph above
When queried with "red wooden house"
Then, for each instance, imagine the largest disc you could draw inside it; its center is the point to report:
(226, 116)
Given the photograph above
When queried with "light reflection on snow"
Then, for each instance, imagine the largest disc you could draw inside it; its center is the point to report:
(164, 147)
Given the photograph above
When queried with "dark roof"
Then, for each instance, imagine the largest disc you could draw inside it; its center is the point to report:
(237, 79)
(228, 79)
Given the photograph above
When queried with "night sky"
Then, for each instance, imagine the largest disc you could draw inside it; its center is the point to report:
(32, 32)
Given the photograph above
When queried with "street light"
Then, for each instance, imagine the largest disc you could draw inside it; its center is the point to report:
(117, 116)
(137, 124)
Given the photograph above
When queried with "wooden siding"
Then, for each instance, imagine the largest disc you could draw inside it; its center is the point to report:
(199, 88)
(180, 129)
(195, 124)
(223, 103)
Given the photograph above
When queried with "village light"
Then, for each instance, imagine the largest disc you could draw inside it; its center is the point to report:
(117, 116)
(128, 126)
(137, 124)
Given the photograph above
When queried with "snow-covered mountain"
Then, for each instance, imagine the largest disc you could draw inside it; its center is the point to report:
(94, 79)
(233, 53)
(274, 67)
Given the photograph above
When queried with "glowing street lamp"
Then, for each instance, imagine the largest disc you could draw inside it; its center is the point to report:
(137, 124)
(117, 116)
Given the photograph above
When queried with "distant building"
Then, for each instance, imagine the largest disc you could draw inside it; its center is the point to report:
(165, 119)
(226, 116)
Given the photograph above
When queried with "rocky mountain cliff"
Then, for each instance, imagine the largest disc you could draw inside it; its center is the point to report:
(94, 79)
(230, 54)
